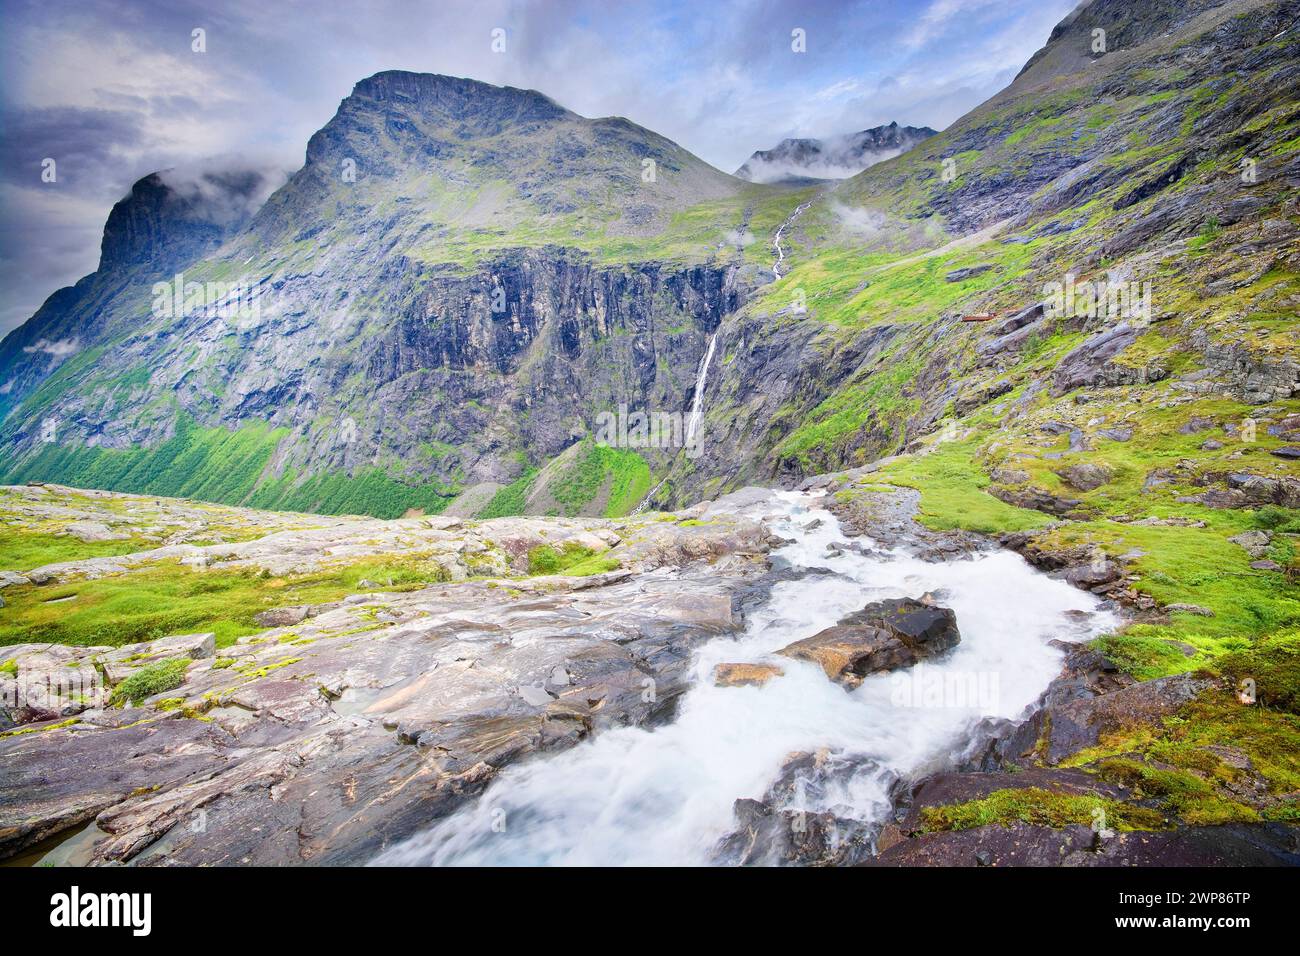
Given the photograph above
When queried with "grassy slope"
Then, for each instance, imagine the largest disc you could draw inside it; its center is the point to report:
(589, 479)
(1209, 286)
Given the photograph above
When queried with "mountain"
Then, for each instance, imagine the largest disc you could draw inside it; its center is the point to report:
(458, 279)
(462, 279)
(804, 161)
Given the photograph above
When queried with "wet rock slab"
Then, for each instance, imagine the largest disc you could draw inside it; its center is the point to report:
(883, 636)
(327, 739)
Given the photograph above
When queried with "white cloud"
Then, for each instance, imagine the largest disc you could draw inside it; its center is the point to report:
(58, 350)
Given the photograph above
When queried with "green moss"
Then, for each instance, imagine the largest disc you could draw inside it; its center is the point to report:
(1038, 807)
(572, 559)
(952, 486)
(255, 673)
(168, 598)
(22, 549)
(150, 680)
(1269, 739)
(1146, 658)
(1273, 663)
(1192, 798)
(36, 729)
(9, 667)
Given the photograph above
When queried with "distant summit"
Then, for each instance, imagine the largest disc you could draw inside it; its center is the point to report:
(837, 157)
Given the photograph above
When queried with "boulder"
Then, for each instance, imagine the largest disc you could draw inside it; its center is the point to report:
(282, 616)
(90, 531)
(196, 646)
(765, 836)
(1022, 844)
(969, 272)
(1190, 609)
(1079, 724)
(1086, 476)
(1036, 499)
(1254, 543)
(745, 675)
(1094, 574)
(882, 636)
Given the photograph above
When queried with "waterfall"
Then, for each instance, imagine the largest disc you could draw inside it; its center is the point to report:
(645, 502)
(697, 406)
(776, 240)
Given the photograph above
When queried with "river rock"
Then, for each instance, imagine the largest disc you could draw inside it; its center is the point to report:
(1024, 845)
(768, 837)
(1094, 574)
(882, 636)
(1079, 724)
(745, 675)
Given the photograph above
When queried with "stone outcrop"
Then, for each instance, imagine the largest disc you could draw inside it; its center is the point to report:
(882, 636)
(346, 726)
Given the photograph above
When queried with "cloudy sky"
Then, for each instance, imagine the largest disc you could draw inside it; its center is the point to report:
(112, 89)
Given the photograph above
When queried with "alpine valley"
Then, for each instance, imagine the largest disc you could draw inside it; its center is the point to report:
(312, 497)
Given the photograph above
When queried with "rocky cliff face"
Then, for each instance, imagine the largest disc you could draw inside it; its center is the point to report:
(451, 290)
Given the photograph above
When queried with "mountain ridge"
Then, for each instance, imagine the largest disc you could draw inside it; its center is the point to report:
(801, 161)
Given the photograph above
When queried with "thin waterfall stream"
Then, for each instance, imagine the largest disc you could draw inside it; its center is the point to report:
(665, 795)
(697, 404)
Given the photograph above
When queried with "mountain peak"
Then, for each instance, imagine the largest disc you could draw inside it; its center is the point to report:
(457, 96)
(836, 157)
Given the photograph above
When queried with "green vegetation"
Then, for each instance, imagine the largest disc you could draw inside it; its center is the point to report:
(572, 559)
(511, 499)
(622, 476)
(22, 550)
(876, 400)
(1273, 663)
(952, 492)
(371, 492)
(151, 679)
(168, 598)
(210, 464)
(1181, 791)
(612, 480)
(1185, 758)
(227, 467)
(1038, 807)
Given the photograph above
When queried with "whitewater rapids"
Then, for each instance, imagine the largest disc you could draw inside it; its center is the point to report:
(664, 796)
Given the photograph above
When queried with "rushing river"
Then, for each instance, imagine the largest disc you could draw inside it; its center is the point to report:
(665, 795)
